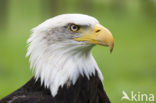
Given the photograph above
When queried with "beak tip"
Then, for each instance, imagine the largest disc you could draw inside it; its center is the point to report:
(111, 49)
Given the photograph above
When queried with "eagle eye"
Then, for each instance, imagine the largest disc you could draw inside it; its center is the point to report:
(74, 27)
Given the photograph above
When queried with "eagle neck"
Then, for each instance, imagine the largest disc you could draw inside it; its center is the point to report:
(62, 64)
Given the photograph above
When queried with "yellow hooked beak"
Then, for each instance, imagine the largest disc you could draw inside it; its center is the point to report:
(100, 35)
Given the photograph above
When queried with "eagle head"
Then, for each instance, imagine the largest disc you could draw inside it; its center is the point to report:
(60, 49)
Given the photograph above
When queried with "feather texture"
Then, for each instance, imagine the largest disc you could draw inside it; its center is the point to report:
(57, 61)
(84, 91)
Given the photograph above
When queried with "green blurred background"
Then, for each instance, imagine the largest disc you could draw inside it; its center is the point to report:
(131, 66)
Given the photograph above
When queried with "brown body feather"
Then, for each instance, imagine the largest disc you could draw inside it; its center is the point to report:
(84, 91)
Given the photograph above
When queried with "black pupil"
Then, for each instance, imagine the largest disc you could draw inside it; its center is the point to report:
(74, 27)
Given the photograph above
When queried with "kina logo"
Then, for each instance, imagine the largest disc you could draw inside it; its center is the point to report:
(137, 97)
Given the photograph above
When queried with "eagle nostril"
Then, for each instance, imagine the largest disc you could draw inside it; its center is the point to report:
(97, 30)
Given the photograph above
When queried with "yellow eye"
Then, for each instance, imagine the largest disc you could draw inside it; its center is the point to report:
(74, 27)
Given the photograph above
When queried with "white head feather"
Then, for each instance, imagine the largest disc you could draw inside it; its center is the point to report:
(56, 62)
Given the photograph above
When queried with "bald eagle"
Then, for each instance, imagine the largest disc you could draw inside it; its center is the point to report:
(60, 57)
